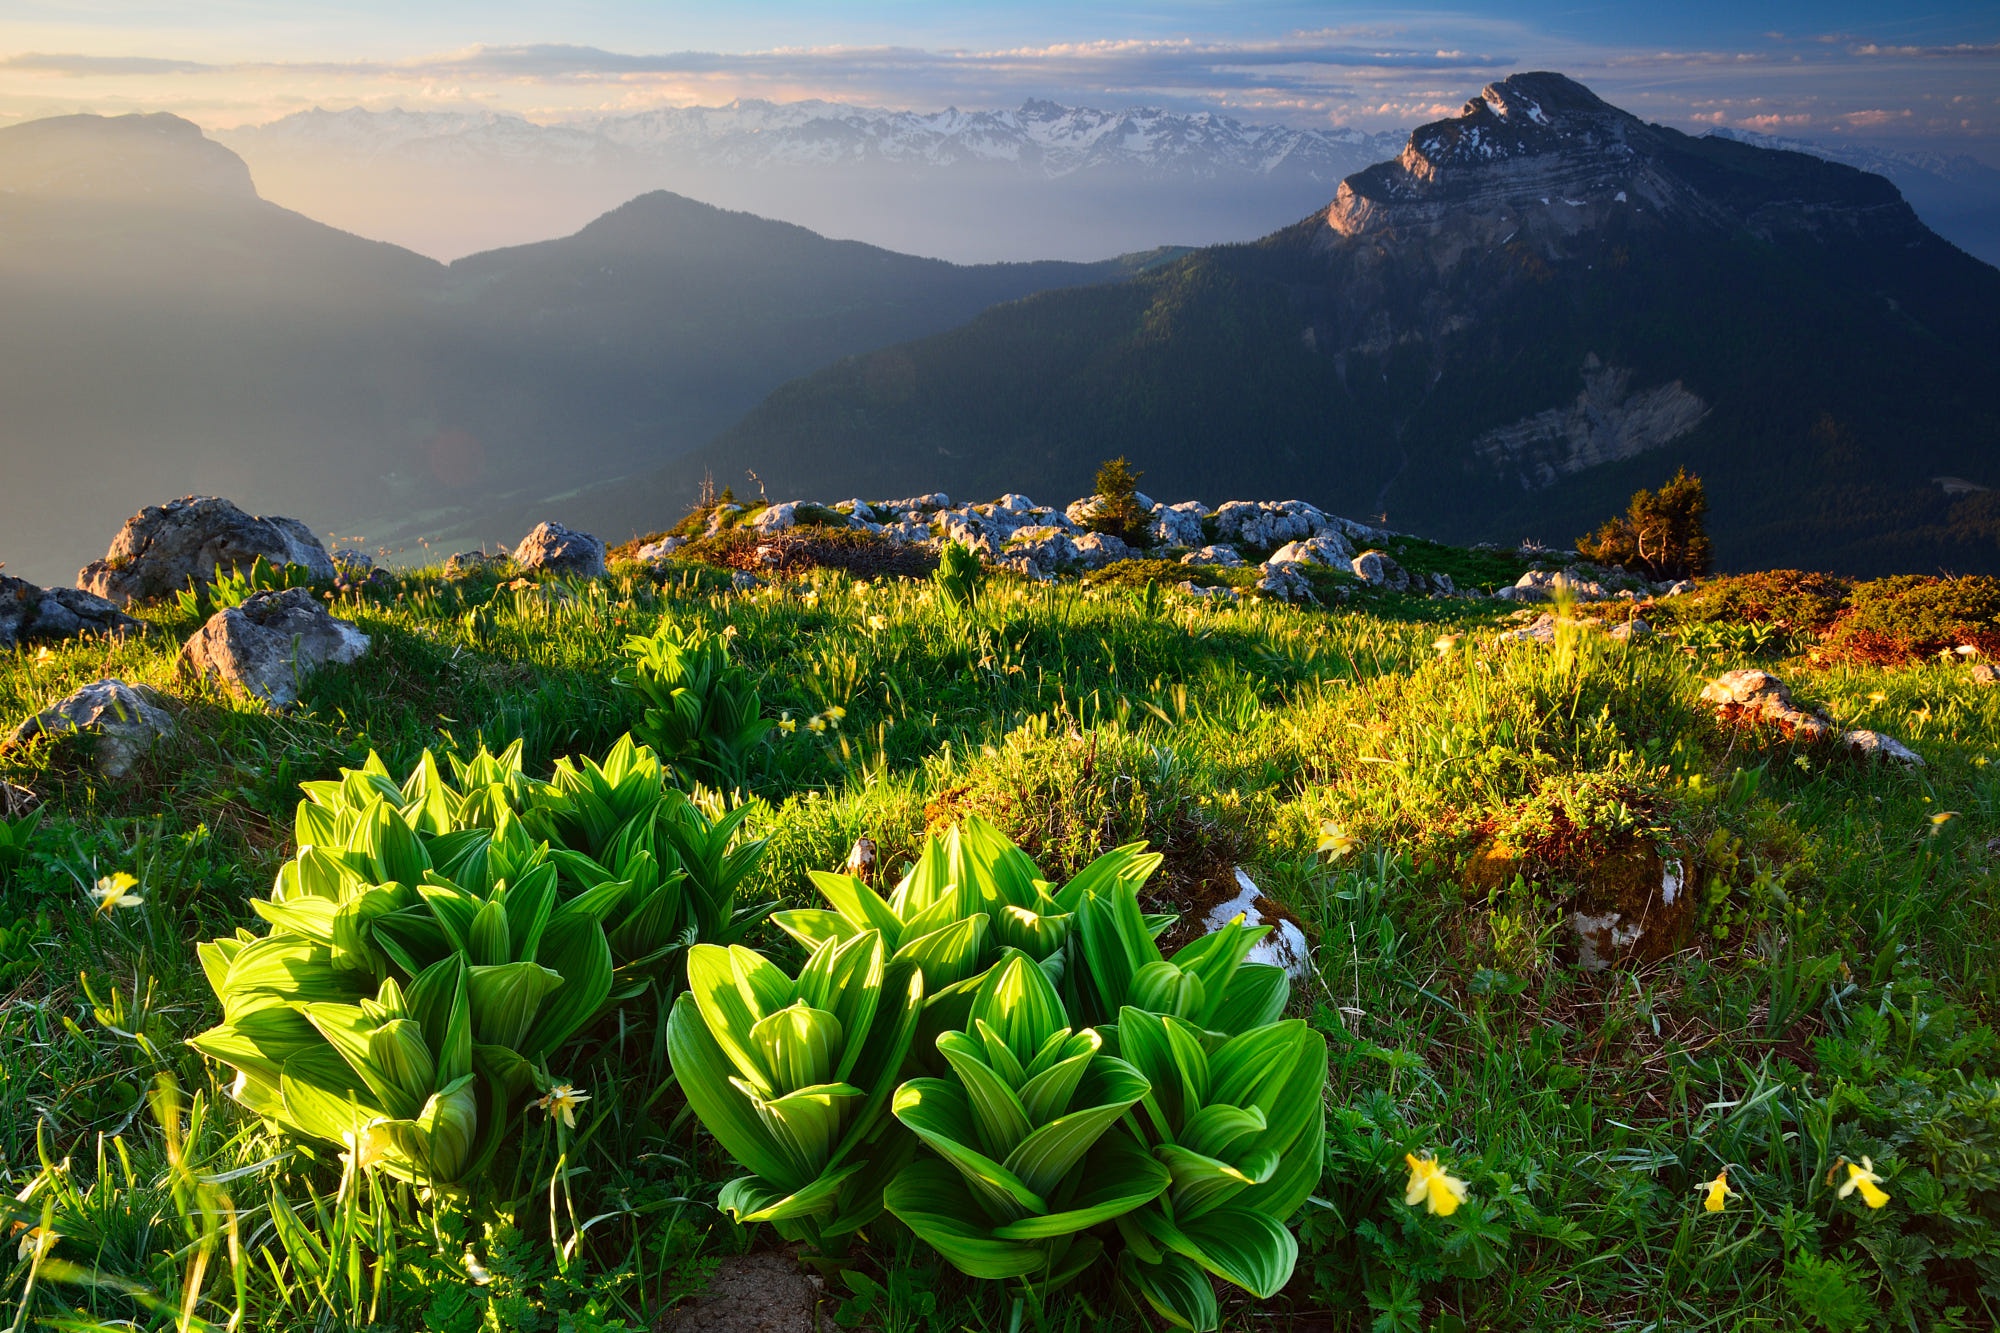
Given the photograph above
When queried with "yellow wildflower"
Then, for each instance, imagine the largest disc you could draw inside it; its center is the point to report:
(37, 1241)
(115, 891)
(816, 724)
(878, 622)
(836, 713)
(365, 1146)
(563, 1101)
(1877, 697)
(1861, 1178)
(1943, 817)
(1335, 840)
(787, 725)
(1445, 643)
(1431, 1186)
(1719, 1192)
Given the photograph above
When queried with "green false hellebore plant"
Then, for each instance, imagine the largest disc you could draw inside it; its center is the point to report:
(428, 951)
(793, 1077)
(1025, 1128)
(1241, 1127)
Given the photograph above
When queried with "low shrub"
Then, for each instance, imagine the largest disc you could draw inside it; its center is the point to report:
(1909, 617)
(1793, 599)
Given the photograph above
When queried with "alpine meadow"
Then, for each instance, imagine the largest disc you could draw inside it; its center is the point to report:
(1482, 813)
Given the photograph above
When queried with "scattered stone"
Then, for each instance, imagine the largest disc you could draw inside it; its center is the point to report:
(752, 1293)
(1541, 630)
(126, 719)
(1193, 589)
(659, 550)
(1875, 745)
(466, 564)
(268, 645)
(1679, 588)
(1759, 696)
(29, 614)
(554, 549)
(1985, 673)
(1541, 585)
(1631, 630)
(162, 547)
(1226, 557)
(1442, 585)
(1377, 569)
(353, 570)
(1040, 551)
(1014, 503)
(1284, 947)
(1268, 524)
(743, 580)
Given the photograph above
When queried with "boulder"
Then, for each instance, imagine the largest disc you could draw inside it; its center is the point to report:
(1040, 551)
(1285, 580)
(1179, 525)
(1016, 503)
(1195, 590)
(1758, 696)
(1080, 512)
(658, 550)
(743, 580)
(777, 518)
(1227, 557)
(1441, 584)
(1100, 548)
(266, 646)
(356, 569)
(162, 547)
(125, 719)
(1267, 524)
(1378, 569)
(1326, 548)
(1284, 947)
(1630, 631)
(554, 549)
(30, 615)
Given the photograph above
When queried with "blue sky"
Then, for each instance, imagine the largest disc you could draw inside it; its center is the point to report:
(1840, 69)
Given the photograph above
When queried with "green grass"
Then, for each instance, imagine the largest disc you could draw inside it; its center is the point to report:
(1833, 999)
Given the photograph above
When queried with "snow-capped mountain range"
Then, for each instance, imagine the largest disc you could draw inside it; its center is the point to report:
(1041, 137)
(1040, 181)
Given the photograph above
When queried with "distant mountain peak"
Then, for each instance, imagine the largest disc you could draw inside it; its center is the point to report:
(156, 157)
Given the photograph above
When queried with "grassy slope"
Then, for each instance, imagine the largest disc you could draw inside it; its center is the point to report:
(1836, 1014)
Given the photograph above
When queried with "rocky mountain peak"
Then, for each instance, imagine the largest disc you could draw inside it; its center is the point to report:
(1540, 157)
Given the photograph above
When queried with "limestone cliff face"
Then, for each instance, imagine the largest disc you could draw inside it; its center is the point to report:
(1607, 423)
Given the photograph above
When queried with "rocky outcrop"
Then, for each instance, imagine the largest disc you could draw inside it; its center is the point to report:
(1225, 557)
(126, 721)
(1327, 548)
(164, 547)
(266, 647)
(32, 615)
(554, 549)
(1179, 524)
(1285, 581)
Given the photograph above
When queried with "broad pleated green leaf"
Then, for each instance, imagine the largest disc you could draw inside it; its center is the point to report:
(505, 1000)
(1177, 1290)
(933, 1200)
(260, 1041)
(1117, 1177)
(707, 1075)
(1239, 1245)
(797, 1045)
(997, 1114)
(749, 1199)
(940, 1114)
(1042, 1159)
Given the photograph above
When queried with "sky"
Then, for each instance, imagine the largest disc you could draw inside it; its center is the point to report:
(1899, 74)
